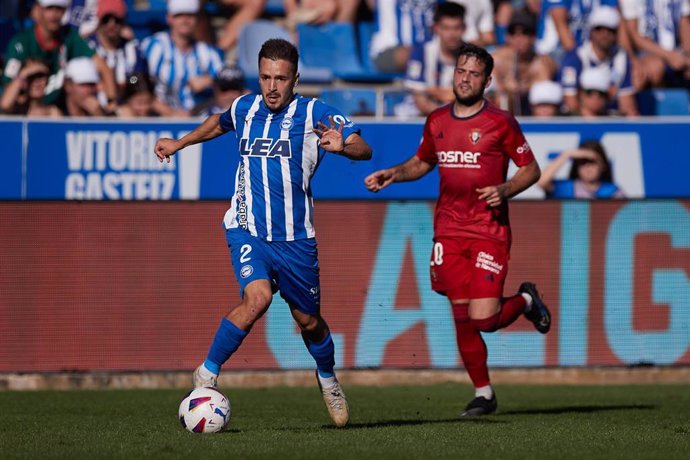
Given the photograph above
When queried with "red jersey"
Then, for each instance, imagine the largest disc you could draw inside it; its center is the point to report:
(472, 153)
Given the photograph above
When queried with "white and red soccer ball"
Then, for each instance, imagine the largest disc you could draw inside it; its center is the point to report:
(204, 410)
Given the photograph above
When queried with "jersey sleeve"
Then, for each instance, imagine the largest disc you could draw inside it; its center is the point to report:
(515, 145)
(570, 72)
(322, 111)
(14, 58)
(414, 74)
(427, 150)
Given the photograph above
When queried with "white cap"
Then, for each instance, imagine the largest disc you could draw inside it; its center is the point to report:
(604, 16)
(82, 70)
(59, 3)
(183, 7)
(545, 92)
(596, 78)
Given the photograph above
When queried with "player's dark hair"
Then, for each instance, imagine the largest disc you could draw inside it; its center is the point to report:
(596, 147)
(277, 48)
(468, 50)
(449, 10)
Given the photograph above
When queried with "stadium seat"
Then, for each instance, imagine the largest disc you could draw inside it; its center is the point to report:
(249, 42)
(146, 22)
(274, 8)
(334, 45)
(666, 101)
(391, 99)
(351, 102)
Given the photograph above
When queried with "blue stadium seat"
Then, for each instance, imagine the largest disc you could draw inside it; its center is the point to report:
(146, 22)
(249, 42)
(334, 45)
(665, 101)
(351, 102)
(274, 8)
(391, 99)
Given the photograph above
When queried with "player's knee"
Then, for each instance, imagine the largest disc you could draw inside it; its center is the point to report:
(254, 306)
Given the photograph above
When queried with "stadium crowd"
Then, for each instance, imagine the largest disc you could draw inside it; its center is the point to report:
(185, 58)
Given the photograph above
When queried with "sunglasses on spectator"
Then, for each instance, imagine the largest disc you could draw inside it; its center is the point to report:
(590, 92)
(111, 17)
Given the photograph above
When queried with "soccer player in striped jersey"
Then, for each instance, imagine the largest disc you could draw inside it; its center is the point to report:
(472, 141)
(282, 138)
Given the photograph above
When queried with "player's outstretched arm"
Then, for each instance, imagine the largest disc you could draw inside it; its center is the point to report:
(209, 129)
(331, 140)
(412, 169)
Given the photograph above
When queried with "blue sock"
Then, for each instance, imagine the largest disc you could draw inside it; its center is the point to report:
(324, 355)
(227, 340)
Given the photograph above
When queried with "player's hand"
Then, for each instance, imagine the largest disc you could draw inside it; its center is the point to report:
(493, 195)
(379, 179)
(583, 154)
(331, 136)
(165, 148)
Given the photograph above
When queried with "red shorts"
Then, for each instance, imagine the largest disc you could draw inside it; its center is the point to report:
(464, 268)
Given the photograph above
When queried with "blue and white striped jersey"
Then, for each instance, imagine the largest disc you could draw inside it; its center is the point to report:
(171, 69)
(402, 23)
(578, 17)
(279, 153)
(584, 57)
(658, 20)
(125, 60)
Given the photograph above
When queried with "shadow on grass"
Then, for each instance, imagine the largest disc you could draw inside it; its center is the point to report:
(578, 409)
(395, 423)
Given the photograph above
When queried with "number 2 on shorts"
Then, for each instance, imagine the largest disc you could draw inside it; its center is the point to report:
(244, 253)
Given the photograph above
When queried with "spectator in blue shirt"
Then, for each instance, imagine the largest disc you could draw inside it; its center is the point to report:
(601, 50)
(590, 174)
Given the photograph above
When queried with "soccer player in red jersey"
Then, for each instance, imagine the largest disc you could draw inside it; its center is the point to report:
(472, 142)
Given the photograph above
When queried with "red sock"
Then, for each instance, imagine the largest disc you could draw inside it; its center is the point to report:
(511, 309)
(472, 347)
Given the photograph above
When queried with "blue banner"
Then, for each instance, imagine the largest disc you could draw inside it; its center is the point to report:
(113, 160)
(12, 158)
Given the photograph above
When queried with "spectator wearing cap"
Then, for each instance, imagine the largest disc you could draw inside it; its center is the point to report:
(138, 98)
(227, 86)
(517, 66)
(53, 44)
(24, 94)
(545, 99)
(594, 92)
(181, 68)
(81, 88)
(430, 69)
(601, 50)
(660, 37)
(122, 56)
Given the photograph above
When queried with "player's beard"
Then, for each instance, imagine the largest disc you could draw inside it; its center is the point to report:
(472, 99)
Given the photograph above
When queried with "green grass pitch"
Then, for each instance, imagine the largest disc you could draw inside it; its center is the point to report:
(407, 422)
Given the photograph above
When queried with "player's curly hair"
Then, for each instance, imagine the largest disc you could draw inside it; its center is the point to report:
(479, 53)
(277, 48)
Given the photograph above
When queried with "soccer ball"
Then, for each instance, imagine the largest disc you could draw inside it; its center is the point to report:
(204, 410)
